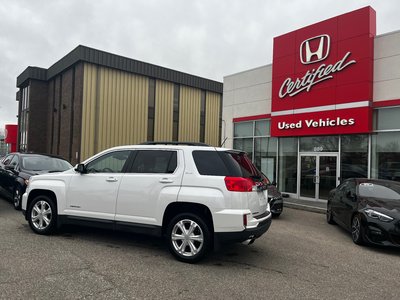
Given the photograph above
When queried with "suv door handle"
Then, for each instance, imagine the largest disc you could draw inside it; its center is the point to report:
(111, 179)
(166, 180)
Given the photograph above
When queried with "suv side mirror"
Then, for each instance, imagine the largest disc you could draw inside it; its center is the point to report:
(81, 168)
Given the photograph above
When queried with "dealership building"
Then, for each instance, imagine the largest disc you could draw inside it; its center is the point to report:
(91, 100)
(326, 109)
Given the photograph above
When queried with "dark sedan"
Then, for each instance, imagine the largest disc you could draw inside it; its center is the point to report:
(369, 209)
(274, 197)
(17, 168)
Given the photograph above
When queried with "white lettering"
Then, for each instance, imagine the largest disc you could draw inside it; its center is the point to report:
(312, 123)
(323, 72)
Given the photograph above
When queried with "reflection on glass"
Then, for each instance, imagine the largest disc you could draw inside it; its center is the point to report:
(354, 156)
(243, 129)
(265, 156)
(308, 176)
(262, 128)
(288, 165)
(319, 144)
(327, 175)
(386, 156)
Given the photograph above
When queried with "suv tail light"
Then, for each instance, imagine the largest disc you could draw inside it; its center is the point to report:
(239, 184)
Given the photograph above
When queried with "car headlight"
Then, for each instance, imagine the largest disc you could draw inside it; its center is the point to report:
(377, 215)
(27, 182)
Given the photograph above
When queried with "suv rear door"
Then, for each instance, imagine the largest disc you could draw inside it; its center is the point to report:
(152, 182)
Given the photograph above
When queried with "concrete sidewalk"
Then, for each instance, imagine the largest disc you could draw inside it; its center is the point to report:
(309, 205)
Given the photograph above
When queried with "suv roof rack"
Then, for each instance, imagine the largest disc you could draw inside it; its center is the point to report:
(176, 143)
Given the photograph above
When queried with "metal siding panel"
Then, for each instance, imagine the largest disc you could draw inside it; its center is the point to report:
(88, 114)
(163, 122)
(212, 118)
(189, 115)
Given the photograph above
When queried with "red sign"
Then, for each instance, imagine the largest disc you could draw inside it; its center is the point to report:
(322, 77)
(11, 132)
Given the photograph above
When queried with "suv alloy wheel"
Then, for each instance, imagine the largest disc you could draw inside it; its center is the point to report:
(42, 215)
(188, 237)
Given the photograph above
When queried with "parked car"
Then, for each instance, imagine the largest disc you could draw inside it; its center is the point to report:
(369, 209)
(195, 195)
(275, 199)
(16, 169)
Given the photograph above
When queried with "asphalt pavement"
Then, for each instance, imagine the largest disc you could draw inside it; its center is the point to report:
(300, 257)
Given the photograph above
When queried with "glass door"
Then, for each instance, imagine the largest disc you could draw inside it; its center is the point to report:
(318, 175)
(308, 176)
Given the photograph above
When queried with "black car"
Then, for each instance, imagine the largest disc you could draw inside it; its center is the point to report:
(369, 209)
(275, 199)
(17, 168)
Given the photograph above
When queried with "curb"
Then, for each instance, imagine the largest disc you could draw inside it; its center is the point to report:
(319, 210)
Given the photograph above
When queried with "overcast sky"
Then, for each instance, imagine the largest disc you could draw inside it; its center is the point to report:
(207, 38)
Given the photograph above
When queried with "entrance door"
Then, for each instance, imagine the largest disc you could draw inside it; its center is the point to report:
(318, 175)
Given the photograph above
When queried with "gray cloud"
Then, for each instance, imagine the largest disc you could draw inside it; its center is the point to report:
(201, 37)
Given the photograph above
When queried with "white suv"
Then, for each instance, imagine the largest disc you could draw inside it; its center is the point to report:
(195, 195)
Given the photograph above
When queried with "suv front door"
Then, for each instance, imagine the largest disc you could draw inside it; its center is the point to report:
(94, 194)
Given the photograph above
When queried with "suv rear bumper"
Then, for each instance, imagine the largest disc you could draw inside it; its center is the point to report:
(241, 236)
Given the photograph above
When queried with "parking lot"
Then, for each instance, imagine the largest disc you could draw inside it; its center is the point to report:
(300, 257)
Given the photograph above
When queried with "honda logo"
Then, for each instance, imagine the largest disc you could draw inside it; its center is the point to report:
(315, 49)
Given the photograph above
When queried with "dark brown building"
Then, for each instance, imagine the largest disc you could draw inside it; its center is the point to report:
(91, 100)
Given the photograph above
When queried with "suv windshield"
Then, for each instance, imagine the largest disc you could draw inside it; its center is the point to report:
(225, 163)
(44, 163)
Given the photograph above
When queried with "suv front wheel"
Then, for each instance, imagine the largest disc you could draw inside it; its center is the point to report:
(188, 237)
(42, 215)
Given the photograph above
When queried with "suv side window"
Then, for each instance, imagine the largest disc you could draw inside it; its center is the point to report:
(224, 163)
(109, 163)
(210, 163)
(155, 161)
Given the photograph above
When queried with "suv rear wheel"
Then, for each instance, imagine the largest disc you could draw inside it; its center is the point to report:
(188, 237)
(42, 215)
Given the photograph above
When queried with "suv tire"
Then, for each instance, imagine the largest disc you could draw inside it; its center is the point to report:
(188, 237)
(42, 215)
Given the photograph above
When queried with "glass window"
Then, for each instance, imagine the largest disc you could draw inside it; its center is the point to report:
(44, 163)
(387, 118)
(109, 163)
(265, 156)
(245, 145)
(210, 163)
(262, 128)
(354, 156)
(155, 161)
(373, 190)
(243, 129)
(14, 161)
(319, 144)
(386, 156)
(288, 164)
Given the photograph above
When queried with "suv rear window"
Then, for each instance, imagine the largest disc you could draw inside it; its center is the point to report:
(224, 163)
